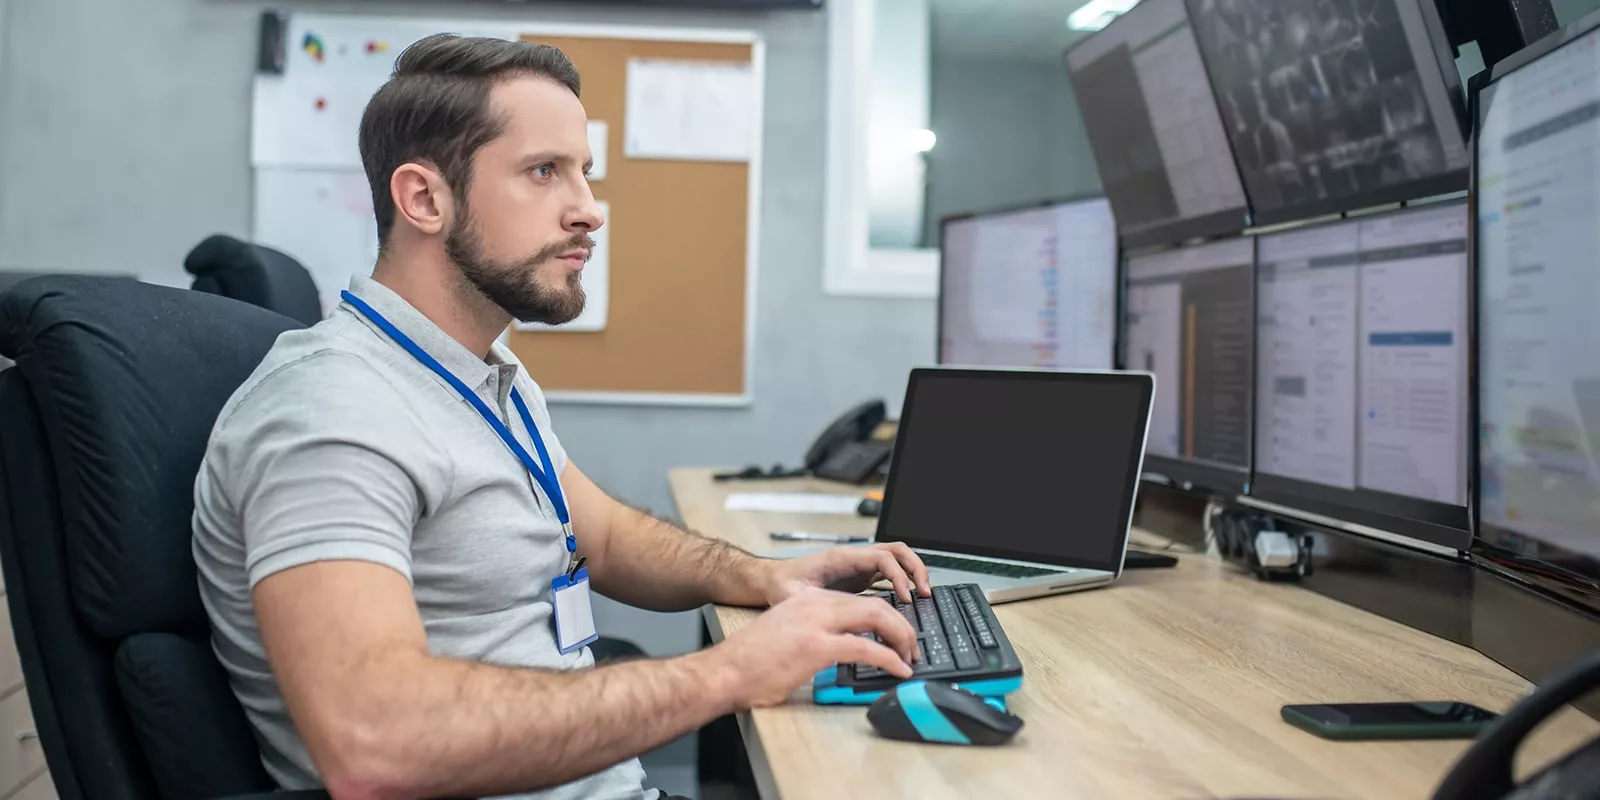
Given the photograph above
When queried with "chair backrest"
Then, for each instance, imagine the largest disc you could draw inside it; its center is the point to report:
(256, 274)
(103, 423)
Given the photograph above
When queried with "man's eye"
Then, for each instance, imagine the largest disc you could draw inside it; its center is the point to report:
(545, 170)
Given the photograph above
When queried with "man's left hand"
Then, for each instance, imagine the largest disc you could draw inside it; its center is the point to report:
(851, 569)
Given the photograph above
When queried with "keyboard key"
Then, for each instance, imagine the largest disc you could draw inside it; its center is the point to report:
(986, 640)
(967, 659)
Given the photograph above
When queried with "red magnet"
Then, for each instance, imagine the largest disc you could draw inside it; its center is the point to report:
(322, 103)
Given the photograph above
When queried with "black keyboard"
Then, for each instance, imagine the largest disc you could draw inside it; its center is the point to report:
(987, 567)
(958, 637)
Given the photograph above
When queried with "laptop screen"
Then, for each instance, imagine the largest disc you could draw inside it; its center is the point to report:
(1034, 466)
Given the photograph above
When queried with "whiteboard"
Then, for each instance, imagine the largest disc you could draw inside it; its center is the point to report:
(310, 116)
(323, 219)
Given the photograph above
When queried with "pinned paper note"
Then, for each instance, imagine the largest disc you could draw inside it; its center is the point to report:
(691, 110)
(596, 285)
(599, 139)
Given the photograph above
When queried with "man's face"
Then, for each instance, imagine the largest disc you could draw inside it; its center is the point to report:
(521, 234)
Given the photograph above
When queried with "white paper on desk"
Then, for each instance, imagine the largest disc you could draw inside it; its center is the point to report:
(596, 285)
(599, 140)
(691, 110)
(792, 503)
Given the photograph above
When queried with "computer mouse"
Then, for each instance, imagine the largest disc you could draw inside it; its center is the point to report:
(869, 507)
(919, 711)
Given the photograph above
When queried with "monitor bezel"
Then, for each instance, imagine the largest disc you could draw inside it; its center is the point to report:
(1444, 524)
(1442, 184)
(1207, 477)
(1147, 385)
(1492, 543)
(1037, 205)
(1226, 223)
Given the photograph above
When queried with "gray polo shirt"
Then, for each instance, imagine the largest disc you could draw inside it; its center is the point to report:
(342, 446)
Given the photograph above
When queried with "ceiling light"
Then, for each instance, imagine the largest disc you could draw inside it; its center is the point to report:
(922, 140)
(1097, 14)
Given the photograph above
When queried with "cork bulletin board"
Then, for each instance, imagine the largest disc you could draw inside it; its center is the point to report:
(682, 241)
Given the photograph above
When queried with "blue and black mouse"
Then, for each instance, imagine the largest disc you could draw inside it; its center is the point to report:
(918, 711)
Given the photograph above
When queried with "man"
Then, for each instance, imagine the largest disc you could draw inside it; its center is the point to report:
(377, 541)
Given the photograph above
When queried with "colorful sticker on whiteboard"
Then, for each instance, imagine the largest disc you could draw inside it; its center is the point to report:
(313, 47)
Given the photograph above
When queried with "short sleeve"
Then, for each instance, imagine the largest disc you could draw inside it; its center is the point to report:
(326, 463)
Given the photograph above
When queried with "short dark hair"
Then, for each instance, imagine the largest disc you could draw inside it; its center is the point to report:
(435, 108)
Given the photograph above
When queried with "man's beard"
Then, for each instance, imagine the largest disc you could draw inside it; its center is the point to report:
(514, 286)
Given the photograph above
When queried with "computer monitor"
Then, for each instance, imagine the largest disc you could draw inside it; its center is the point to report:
(1189, 318)
(1335, 105)
(1537, 265)
(1361, 372)
(1154, 129)
(1031, 287)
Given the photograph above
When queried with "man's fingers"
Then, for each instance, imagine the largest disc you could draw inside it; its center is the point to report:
(913, 565)
(855, 614)
(891, 569)
(855, 649)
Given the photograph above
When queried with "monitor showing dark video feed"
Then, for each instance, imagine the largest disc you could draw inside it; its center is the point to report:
(1334, 105)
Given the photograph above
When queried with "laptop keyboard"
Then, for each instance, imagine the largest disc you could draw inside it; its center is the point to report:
(953, 633)
(987, 567)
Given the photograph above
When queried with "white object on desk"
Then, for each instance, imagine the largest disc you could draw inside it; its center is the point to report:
(690, 110)
(792, 503)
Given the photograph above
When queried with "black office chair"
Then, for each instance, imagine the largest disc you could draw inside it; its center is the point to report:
(256, 274)
(108, 409)
(107, 413)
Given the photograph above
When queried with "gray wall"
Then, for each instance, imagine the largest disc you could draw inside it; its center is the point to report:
(1009, 134)
(124, 139)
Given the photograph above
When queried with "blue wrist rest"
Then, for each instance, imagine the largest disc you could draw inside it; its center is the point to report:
(825, 689)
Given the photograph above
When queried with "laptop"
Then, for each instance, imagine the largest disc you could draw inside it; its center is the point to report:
(1020, 481)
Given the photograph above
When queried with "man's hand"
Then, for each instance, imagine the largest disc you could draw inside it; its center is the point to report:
(850, 569)
(787, 645)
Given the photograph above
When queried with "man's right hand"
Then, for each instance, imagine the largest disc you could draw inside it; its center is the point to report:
(815, 628)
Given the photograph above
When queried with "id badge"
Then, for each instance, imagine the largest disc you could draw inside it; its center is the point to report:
(574, 611)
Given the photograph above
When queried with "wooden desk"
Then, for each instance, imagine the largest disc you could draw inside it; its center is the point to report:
(1166, 685)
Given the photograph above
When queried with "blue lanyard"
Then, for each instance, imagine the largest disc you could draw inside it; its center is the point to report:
(545, 476)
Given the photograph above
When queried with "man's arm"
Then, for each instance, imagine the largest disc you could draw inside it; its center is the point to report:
(382, 718)
(647, 562)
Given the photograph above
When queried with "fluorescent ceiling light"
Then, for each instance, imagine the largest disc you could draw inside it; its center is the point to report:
(1097, 14)
(922, 140)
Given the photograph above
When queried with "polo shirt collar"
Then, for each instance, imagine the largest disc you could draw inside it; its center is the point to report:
(472, 370)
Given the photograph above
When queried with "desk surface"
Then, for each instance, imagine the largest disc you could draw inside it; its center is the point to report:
(1165, 685)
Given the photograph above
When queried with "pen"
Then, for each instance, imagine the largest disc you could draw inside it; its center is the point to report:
(801, 536)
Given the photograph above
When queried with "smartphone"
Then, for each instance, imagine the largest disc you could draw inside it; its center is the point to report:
(1355, 721)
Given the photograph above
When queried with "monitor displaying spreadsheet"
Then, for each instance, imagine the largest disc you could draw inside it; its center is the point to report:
(1153, 126)
(1034, 287)
(1188, 320)
(1538, 279)
(1361, 376)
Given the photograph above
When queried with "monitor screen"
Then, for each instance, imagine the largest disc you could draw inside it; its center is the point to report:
(1334, 105)
(1039, 466)
(1361, 371)
(1153, 127)
(1030, 288)
(1538, 276)
(1189, 320)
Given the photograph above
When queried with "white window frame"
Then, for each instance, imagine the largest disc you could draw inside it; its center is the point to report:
(851, 266)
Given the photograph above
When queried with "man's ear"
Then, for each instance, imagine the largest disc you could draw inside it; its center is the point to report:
(421, 197)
